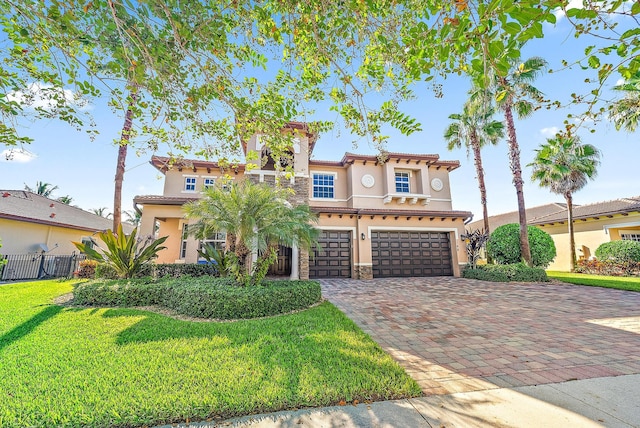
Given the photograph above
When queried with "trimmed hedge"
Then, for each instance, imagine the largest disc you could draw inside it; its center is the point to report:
(608, 268)
(161, 270)
(217, 298)
(518, 272)
(619, 251)
(503, 245)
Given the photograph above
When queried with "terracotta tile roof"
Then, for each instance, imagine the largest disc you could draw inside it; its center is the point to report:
(164, 163)
(163, 200)
(598, 209)
(390, 212)
(30, 207)
(533, 214)
(432, 159)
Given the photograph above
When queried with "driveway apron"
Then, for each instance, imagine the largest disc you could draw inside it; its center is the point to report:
(458, 335)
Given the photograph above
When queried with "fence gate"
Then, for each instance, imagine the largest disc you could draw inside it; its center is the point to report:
(39, 266)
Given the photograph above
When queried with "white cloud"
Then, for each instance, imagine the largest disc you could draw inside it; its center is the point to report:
(45, 96)
(550, 132)
(573, 4)
(17, 155)
(620, 82)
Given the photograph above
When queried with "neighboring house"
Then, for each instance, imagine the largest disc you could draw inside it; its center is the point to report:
(594, 224)
(31, 223)
(377, 219)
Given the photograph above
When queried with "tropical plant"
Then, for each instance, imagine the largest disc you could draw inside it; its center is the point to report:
(474, 242)
(126, 254)
(625, 113)
(133, 217)
(504, 245)
(256, 218)
(514, 92)
(474, 128)
(564, 166)
(218, 257)
(41, 188)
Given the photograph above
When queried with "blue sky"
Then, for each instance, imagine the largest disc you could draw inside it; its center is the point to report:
(85, 169)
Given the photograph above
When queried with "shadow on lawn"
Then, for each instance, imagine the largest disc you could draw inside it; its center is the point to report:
(28, 326)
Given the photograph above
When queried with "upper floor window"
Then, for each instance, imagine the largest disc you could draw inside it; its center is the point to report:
(402, 182)
(190, 184)
(323, 185)
(209, 182)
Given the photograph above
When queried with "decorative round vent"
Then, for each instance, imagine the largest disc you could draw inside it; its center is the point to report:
(368, 181)
(436, 184)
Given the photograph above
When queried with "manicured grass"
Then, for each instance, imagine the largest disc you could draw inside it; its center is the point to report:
(621, 283)
(124, 367)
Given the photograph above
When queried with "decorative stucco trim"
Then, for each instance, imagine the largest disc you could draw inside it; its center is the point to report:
(412, 229)
(606, 227)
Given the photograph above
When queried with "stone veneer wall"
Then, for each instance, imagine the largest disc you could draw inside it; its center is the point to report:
(364, 272)
(300, 196)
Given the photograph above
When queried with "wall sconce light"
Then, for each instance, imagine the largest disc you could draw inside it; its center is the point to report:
(363, 236)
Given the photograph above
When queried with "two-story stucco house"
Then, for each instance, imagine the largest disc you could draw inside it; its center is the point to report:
(377, 219)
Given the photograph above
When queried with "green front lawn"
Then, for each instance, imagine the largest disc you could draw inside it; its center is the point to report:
(125, 367)
(621, 283)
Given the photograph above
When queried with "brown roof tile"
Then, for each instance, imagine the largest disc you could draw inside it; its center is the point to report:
(512, 217)
(598, 209)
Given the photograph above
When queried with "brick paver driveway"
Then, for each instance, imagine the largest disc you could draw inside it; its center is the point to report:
(458, 335)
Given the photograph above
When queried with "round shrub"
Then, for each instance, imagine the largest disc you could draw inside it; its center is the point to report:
(503, 245)
(619, 251)
(518, 272)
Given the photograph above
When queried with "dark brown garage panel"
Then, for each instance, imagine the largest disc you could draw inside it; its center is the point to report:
(399, 253)
(334, 260)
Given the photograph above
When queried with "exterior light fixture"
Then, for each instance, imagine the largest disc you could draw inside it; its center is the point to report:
(363, 236)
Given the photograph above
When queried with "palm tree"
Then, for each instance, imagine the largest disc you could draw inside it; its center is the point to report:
(625, 113)
(65, 199)
(564, 166)
(514, 91)
(133, 217)
(475, 128)
(42, 188)
(255, 217)
(102, 212)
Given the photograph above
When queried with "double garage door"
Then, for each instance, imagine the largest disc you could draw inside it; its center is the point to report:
(394, 254)
(406, 253)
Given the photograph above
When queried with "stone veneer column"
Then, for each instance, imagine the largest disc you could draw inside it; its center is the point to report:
(364, 272)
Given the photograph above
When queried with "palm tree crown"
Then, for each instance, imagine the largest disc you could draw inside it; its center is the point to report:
(565, 166)
(42, 188)
(625, 113)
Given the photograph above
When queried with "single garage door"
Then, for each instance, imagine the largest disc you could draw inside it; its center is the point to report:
(400, 253)
(334, 258)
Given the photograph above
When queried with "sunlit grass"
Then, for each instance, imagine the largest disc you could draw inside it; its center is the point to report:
(618, 282)
(126, 367)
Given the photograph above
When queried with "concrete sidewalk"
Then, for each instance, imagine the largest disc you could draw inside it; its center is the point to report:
(608, 402)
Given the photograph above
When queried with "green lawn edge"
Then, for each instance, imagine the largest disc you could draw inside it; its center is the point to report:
(99, 367)
(619, 283)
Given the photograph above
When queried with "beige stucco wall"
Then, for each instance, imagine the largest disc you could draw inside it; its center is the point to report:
(174, 183)
(350, 192)
(21, 238)
(590, 233)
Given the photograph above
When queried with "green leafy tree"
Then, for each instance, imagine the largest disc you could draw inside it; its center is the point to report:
(42, 188)
(514, 92)
(126, 254)
(565, 166)
(256, 218)
(474, 128)
(625, 113)
(503, 245)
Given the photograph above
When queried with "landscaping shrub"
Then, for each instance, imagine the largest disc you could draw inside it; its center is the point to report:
(87, 269)
(619, 251)
(188, 269)
(518, 272)
(105, 271)
(608, 267)
(202, 297)
(503, 245)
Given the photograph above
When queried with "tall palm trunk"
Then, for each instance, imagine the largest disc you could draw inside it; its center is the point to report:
(477, 160)
(122, 157)
(572, 242)
(516, 170)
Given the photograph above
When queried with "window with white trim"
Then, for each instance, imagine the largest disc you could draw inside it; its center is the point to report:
(217, 240)
(190, 184)
(209, 182)
(323, 186)
(402, 182)
(630, 237)
(183, 243)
